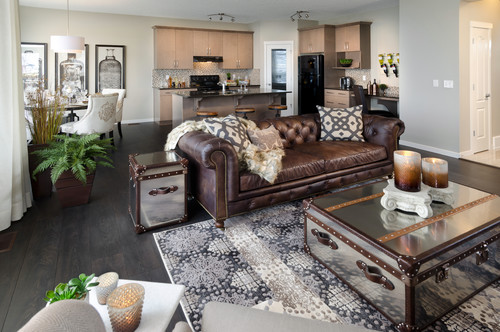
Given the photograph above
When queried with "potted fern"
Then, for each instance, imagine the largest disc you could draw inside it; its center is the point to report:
(43, 118)
(73, 161)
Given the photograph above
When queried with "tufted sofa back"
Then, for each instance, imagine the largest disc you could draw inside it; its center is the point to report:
(295, 129)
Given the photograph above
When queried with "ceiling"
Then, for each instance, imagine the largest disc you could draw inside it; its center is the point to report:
(248, 11)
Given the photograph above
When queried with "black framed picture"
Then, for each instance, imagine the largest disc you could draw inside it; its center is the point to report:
(72, 72)
(34, 64)
(109, 67)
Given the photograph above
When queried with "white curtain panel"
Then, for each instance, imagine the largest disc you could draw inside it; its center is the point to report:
(15, 188)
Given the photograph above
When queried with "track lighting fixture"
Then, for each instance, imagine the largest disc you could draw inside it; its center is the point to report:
(299, 14)
(221, 16)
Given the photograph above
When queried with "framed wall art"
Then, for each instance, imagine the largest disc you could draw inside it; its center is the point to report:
(34, 63)
(110, 67)
(72, 72)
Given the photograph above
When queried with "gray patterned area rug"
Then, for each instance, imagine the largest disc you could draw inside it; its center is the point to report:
(259, 261)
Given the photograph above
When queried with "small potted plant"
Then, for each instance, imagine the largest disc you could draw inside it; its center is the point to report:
(76, 288)
(73, 161)
(382, 88)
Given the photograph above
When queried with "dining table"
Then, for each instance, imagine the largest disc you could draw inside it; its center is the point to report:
(71, 108)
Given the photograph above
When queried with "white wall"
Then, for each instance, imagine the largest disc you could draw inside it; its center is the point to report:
(135, 32)
(429, 49)
(487, 11)
(267, 31)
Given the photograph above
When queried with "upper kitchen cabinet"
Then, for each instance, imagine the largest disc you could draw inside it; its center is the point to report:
(237, 50)
(318, 39)
(174, 48)
(352, 41)
(207, 43)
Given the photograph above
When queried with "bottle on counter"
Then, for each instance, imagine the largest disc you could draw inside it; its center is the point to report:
(369, 88)
(169, 81)
(375, 88)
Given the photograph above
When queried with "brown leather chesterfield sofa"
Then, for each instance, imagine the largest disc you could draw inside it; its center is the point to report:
(310, 166)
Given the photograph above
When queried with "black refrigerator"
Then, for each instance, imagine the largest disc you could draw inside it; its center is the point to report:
(311, 83)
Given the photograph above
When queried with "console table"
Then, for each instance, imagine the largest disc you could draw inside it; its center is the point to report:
(160, 302)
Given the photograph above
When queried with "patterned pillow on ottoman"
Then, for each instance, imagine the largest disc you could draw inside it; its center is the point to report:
(341, 124)
(231, 129)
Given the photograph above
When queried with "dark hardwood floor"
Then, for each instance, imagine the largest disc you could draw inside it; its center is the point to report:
(54, 244)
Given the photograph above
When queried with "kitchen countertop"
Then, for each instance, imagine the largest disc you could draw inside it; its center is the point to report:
(231, 92)
(194, 88)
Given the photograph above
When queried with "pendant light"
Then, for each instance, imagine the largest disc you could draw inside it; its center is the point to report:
(67, 44)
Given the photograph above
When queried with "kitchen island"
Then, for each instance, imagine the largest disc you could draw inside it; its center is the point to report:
(185, 104)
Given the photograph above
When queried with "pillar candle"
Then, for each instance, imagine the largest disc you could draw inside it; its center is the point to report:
(435, 172)
(407, 170)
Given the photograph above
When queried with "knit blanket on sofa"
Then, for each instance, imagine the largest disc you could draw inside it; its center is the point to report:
(266, 164)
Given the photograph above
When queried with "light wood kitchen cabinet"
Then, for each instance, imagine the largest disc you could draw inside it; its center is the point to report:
(319, 39)
(207, 43)
(162, 105)
(174, 48)
(347, 38)
(339, 98)
(237, 50)
(352, 41)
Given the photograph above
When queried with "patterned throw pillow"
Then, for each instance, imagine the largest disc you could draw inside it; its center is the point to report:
(341, 124)
(265, 139)
(231, 129)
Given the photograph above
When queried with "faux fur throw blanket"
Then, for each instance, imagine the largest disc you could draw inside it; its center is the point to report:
(266, 164)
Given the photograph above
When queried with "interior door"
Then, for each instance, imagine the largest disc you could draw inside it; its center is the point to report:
(278, 69)
(480, 74)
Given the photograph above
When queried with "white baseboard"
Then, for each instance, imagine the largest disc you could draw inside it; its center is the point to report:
(496, 142)
(137, 121)
(431, 149)
(466, 153)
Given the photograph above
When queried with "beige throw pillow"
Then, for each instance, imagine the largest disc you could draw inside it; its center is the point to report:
(265, 139)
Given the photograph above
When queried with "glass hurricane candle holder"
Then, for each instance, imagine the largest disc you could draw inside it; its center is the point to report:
(435, 172)
(125, 307)
(407, 170)
(107, 284)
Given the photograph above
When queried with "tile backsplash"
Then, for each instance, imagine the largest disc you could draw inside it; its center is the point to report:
(202, 68)
(391, 81)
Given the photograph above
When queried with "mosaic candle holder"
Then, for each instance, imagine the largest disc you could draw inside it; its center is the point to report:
(435, 172)
(407, 170)
(107, 284)
(125, 307)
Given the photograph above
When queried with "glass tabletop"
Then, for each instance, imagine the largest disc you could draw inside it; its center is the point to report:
(361, 210)
(157, 158)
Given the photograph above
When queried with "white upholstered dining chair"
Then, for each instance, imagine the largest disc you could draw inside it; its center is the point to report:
(119, 106)
(99, 118)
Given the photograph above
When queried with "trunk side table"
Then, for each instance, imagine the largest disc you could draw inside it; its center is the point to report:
(157, 190)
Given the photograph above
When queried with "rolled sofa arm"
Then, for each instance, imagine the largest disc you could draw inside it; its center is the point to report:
(383, 131)
(214, 170)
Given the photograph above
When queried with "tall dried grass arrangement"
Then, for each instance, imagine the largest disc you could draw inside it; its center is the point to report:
(46, 115)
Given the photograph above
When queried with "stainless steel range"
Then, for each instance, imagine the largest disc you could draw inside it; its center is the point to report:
(205, 82)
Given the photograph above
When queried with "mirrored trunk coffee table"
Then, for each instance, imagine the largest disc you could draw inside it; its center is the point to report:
(413, 270)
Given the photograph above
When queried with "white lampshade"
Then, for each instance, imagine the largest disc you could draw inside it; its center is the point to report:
(67, 44)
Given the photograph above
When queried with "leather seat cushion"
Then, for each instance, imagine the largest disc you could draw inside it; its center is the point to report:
(340, 155)
(295, 165)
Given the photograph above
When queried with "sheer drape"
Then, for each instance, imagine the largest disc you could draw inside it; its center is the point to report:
(15, 190)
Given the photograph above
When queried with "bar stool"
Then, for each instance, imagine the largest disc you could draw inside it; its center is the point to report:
(206, 114)
(244, 111)
(277, 109)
